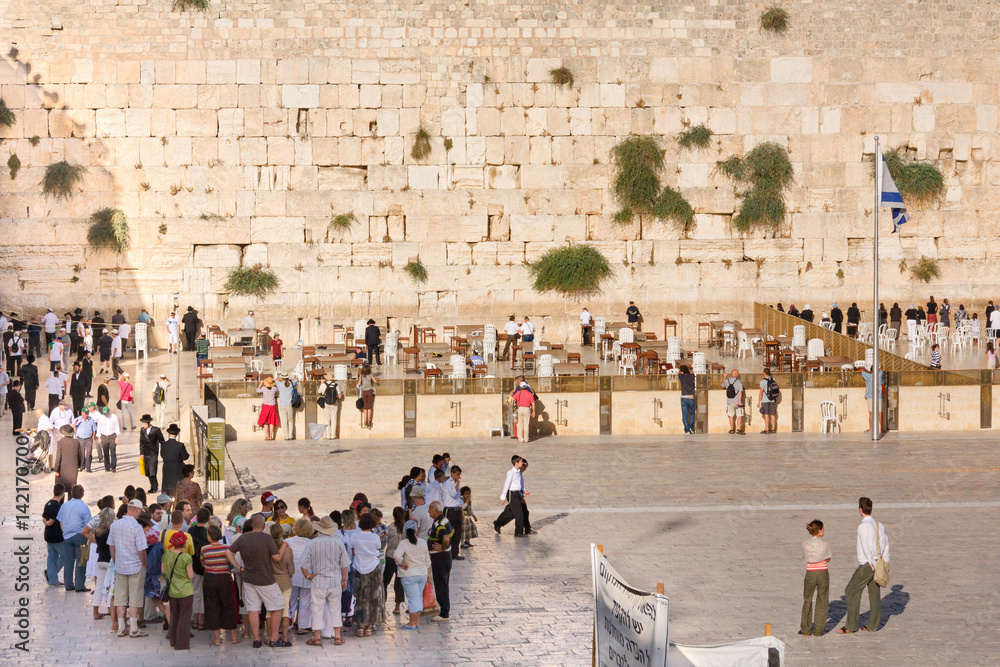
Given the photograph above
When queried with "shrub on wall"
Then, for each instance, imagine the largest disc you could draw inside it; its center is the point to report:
(918, 182)
(7, 117)
(342, 222)
(251, 281)
(637, 161)
(184, 5)
(421, 145)
(109, 229)
(766, 171)
(14, 164)
(775, 19)
(60, 179)
(417, 270)
(699, 136)
(926, 270)
(561, 76)
(572, 269)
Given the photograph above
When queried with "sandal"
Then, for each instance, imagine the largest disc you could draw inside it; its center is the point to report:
(845, 631)
(369, 632)
(359, 633)
(238, 640)
(314, 642)
(338, 641)
(216, 642)
(731, 431)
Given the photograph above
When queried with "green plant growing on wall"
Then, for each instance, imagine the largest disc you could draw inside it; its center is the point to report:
(561, 76)
(699, 136)
(34, 141)
(775, 19)
(766, 171)
(918, 182)
(184, 5)
(448, 144)
(342, 222)
(109, 229)
(572, 269)
(421, 145)
(251, 281)
(211, 217)
(7, 117)
(60, 179)
(926, 270)
(14, 164)
(417, 270)
(637, 161)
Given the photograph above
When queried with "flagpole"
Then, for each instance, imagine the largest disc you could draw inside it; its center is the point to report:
(877, 392)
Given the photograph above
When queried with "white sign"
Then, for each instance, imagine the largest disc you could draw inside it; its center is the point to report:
(631, 624)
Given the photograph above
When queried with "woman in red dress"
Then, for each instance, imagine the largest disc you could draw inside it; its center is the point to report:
(269, 410)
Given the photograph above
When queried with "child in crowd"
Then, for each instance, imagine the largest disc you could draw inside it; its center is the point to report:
(817, 554)
(936, 356)
(469, 518)
(348, 527)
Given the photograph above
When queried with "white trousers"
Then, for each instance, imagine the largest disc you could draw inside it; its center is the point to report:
(301, 602)
(325, 604)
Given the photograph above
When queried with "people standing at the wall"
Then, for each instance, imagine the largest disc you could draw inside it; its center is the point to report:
(190, 322)
(837, 317)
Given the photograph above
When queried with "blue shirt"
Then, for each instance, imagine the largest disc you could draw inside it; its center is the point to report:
(869, 382)
(73, 515)
(85, 427)
(34, 330)
(285, 393)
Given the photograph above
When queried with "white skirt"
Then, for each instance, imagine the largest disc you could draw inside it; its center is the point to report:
(92, 561)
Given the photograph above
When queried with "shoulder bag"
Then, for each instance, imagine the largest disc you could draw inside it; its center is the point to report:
(165, 593)
(881, 565)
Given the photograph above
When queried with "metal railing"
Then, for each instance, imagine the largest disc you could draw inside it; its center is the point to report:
(214, 476)
(200, 429)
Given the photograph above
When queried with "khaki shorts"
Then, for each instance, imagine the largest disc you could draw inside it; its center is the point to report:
(734, 410)
(269, 596)
(288, 601)
(128, 589)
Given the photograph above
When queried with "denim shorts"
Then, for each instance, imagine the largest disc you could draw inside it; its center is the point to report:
(414, 589)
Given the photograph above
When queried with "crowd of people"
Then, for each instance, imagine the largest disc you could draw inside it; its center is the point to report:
(264, 575)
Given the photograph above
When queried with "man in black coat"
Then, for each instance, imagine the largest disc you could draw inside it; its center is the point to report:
(29, 379)
(87, 368)
(150, 439)
(174, 454)
(837, 317)
(190, 322)
(78, 382)
(372, 340)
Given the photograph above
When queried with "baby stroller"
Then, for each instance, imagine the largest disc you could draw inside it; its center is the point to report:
(38, 454)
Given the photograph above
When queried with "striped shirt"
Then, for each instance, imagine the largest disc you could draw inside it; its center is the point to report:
(213, 558)
(936, 359)
(325, 557)
(816, 552)
(128, 539)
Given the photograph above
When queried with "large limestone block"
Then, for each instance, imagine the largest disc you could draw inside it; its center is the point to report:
(300, 96)
(503, 177)
(792, 70)
(276, 229)
(399, 71)
(423, 177)
(532, 227)
(695, 250)
(209, 256)
(778, 250)
(342, 178)
(197, 123)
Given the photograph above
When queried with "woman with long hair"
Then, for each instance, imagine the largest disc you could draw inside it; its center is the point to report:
(414, 562)
(219, 592)
(392, 538)
(369, 609)
(366, 387)
(239, 508)
(283, 570)
(104, 521)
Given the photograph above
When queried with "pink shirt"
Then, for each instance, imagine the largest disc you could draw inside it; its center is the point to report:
(126, 389)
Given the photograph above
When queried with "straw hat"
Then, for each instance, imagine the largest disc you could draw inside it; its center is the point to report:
(269, 381)
(326, 526)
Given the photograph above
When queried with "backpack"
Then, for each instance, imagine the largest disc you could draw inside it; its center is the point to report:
(330, 395)
(159, 395)
(296, 399)
(772, 390)
(731, 389)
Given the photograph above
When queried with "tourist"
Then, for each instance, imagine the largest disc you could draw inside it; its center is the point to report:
(975, 329)
(734, 401)
(527, 330)
(373, 339)
(944, 312)
(128, 550)
(306, 510)
(238, 510)
(686, 379)
(394, 533)
(524, 501)
(817, 554)
(109, 432)
(72, 517)
(267, 500)
(150, 439)
(220, 595)
(370, 606)
(160, 398)
(825, 320)
(325, 564)
(283, 570)
(188, 489)
(921, 315)
(4, 388)
(258, 549)
(174, 454)
(15, 349)
(104, 393)
(126, 388)
(868, 377)
(56, 386)
(412, 557)
(439, 542)
(807, 314)
(512, 497)
(837, 317)
(29, 380)
(268, 417)
(419, 512)
(299, 604)
(331, 395)
(451, 500)
(15, 403)
(190, 322)
(201, 347)
(116, 353)
(932, 309)
(767, 401)
(415, 477)
(248, 323)
(276, 350)
(512, 331)
(281, 514)
(792, 310)
(873, 542)
(53, 535)
(433, 491)
(34, 338)
(178, 572)
(99, 536)
(586, 326)
(287, 390)
(173, 331)
(104, 351)
(469, 519)
(994, 322)
(84, 430)
(199, 539)
(523, 397)
(634, 316)
(56, 354)
(366, 387)
(936, 357)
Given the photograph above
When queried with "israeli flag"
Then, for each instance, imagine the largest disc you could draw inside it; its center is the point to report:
(890, 197)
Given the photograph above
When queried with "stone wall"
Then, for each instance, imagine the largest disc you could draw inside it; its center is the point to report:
(232, 135)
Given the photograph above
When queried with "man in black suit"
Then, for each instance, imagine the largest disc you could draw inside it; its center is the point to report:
(78, 382)
(372, 340)
(29, 379)
(190, 322)
(150, 439)
(87, 369)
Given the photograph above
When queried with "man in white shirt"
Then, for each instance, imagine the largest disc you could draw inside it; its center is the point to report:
(55, 353)
(512, 496)
(109, 431)
(511, 330)
(116, 354)
(128, 551)
(56, 385)
(586, 325)
(871, 535)
(434, 487)
(995, 319)
(14, 353)
(50, 321)
(124, 331)
(451, 500)
(527, 330)
(249, 326)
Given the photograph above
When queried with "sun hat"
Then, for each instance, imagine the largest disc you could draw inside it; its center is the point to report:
(417, 492)
(326, 526)
(135, 502)
(163, 498)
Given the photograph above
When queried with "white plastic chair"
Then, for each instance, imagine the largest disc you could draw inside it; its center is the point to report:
(609, 349)
(799, 335)
(728, 339)
(745, 346)
(616, 350)
(391, 347)
(828, 416)
(816, 349)
(699, 363)
(340, 336)
(141, 341)
(627, 363)
(340, 374)
(257, 366)
(674, 345)
(941, 335)
(626, 335)
(869, 357)
(600, 327)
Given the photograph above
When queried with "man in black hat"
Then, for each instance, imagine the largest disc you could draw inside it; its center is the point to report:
(174, 454)
(190, 322)
(68, 461)
(150, 439)
(373, 338)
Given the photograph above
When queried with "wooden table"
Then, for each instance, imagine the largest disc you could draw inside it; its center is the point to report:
(669, 323)
(827, 362)
(225, 352)
(412, 355)
(716, 327)
(469, 330)
(568, 369)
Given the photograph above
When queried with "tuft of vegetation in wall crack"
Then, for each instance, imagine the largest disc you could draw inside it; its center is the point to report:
(765, 171)
(251, 281)
(637, 162)
(573, 269)
(699, 136)
(775, 19)
(60, 179)
(109, 229)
